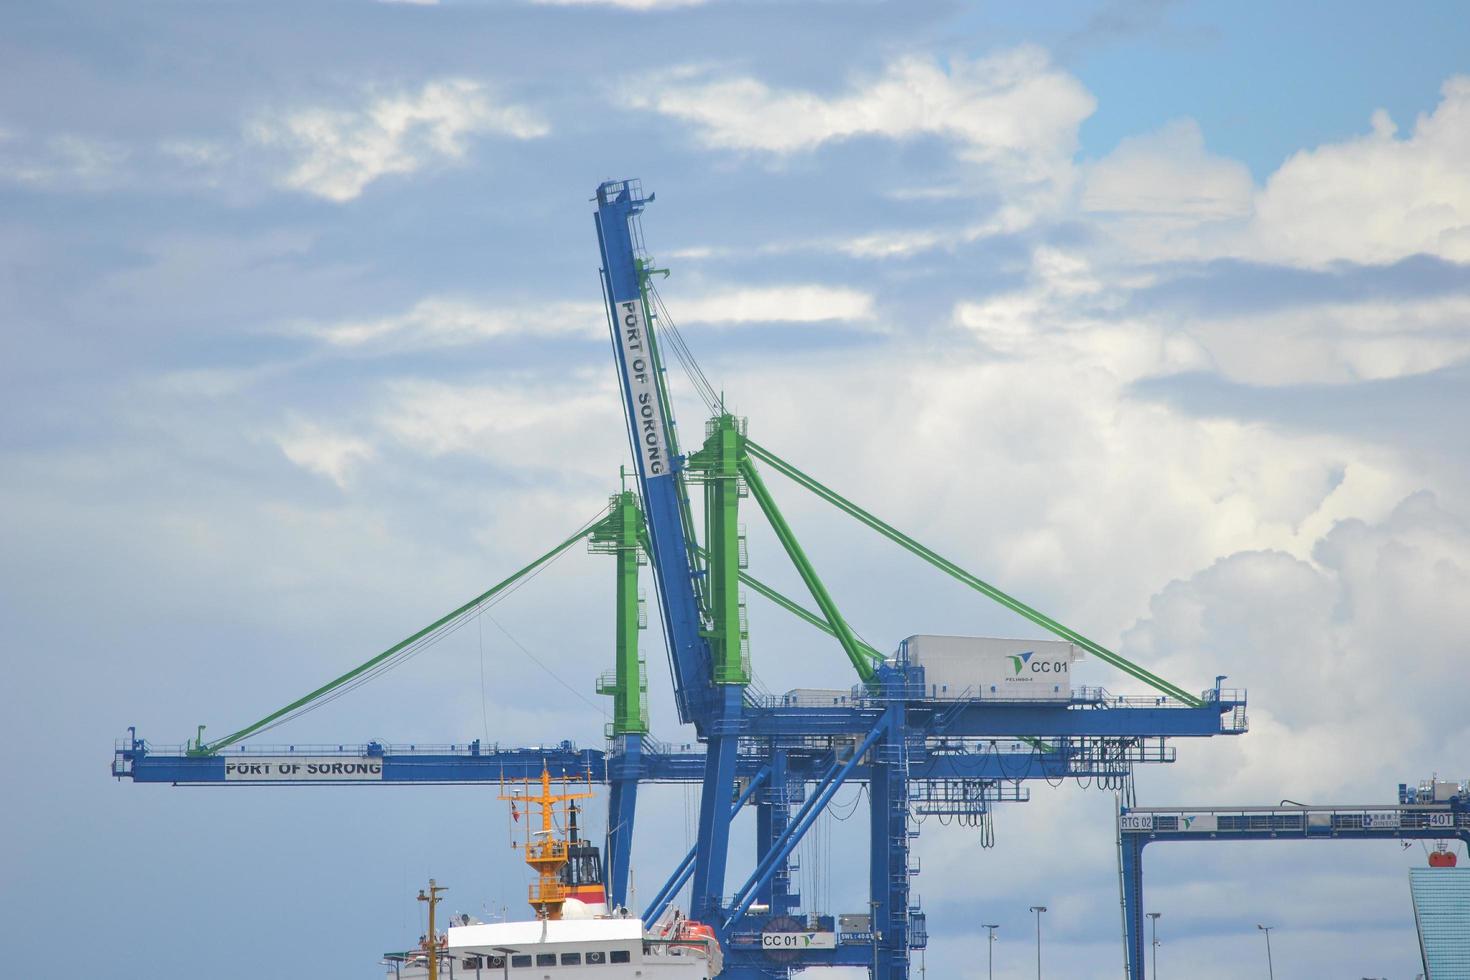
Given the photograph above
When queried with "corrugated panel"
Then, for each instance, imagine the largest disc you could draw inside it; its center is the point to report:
(1442, 912)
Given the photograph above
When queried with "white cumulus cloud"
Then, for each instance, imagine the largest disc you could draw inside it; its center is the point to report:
(1371, 199)
(1368, 625)
(1379, 197)
(336, 153)
(1013, 111)
(804, 303)
(326, 453)
(449, 321)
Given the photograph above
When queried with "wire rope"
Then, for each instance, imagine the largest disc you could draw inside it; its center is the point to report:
(431, 639)
(685, 356)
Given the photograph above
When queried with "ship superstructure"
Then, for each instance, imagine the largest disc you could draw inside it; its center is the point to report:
(572, 933)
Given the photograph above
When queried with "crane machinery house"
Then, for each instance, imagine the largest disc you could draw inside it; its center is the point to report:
(987, 667)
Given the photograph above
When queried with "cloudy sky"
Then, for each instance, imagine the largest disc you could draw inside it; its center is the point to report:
(1156, 313)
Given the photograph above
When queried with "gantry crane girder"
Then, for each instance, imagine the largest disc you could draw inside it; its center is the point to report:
(1410, 819)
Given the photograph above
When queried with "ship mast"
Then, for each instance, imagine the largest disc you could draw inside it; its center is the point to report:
(432, 898)
(545, 851)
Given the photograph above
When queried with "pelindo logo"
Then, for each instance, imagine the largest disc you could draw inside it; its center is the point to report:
(1022, 662)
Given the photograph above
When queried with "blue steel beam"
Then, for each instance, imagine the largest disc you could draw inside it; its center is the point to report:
(782, 847)
(623, 772)
(651, 437)
(720, 769)
(685, 870)
(1142, 826)
(888, 859)
(471, 763)
(990, 719)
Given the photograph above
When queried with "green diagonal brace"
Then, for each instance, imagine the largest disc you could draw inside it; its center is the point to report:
(838, 626)
(950, 568)
(359, 670)
(801, 612)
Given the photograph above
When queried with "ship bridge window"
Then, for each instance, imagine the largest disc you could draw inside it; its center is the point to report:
(519, 961)
(546, 959)
(596, 956)
(620, 956)
(471, 963)
(571, 959)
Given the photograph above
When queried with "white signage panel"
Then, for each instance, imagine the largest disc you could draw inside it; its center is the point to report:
(1381, 820)
(798, 940)
(1138, 821)
(648, 416)
(302, 769)
(1441, 819)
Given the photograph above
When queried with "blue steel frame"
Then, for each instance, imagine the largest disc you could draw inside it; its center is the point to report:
(903, 740)
(1141, 826)
(618, 206)
(714, 709)
(471, 763)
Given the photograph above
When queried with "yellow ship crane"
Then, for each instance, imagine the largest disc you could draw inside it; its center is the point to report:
(546, 848)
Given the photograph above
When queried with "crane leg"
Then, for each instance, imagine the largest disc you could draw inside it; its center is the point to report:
(1130, 852)
(714, 806)
(888, 869)
(622, 803)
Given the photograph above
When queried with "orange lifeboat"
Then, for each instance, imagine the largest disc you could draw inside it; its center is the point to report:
(695, 935)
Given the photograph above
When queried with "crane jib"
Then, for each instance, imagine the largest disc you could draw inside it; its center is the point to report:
(639, 370)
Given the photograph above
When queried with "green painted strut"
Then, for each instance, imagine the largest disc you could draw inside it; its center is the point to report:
(801, 612)
(213, 747)
(950, 568)
(619, 536)
(718, 464)
(839, 628)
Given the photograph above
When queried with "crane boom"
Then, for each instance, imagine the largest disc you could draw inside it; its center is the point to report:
(652, 439)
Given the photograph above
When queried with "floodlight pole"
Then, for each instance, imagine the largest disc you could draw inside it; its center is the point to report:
(990, 949)
(1155, 917)
(1038, 909)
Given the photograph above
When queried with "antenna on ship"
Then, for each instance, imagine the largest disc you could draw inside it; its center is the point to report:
(546, 852)
(432, 943)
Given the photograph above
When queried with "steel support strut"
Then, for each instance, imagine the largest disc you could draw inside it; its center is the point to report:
(772, 817)
(1130, 867)
(958, 573)
(686, 867)
(622, 807)
(888, 866)
(783, 845)
(202, 749)
(714, 805)
(851, 645)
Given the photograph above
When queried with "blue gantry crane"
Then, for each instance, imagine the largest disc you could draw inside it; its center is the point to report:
(925, 736)
(1433, 810)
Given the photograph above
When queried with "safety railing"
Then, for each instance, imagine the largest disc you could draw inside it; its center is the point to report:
(469, 749)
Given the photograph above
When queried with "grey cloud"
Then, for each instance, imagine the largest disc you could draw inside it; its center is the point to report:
(1232, 286)
(1423, 413)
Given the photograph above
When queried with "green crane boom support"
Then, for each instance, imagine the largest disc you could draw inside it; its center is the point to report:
(974, 582)
(200, 748)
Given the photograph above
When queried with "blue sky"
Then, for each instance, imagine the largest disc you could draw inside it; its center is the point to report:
(1156, 313)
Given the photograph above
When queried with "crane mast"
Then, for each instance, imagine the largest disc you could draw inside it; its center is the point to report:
(651, 437)
(713, 700)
